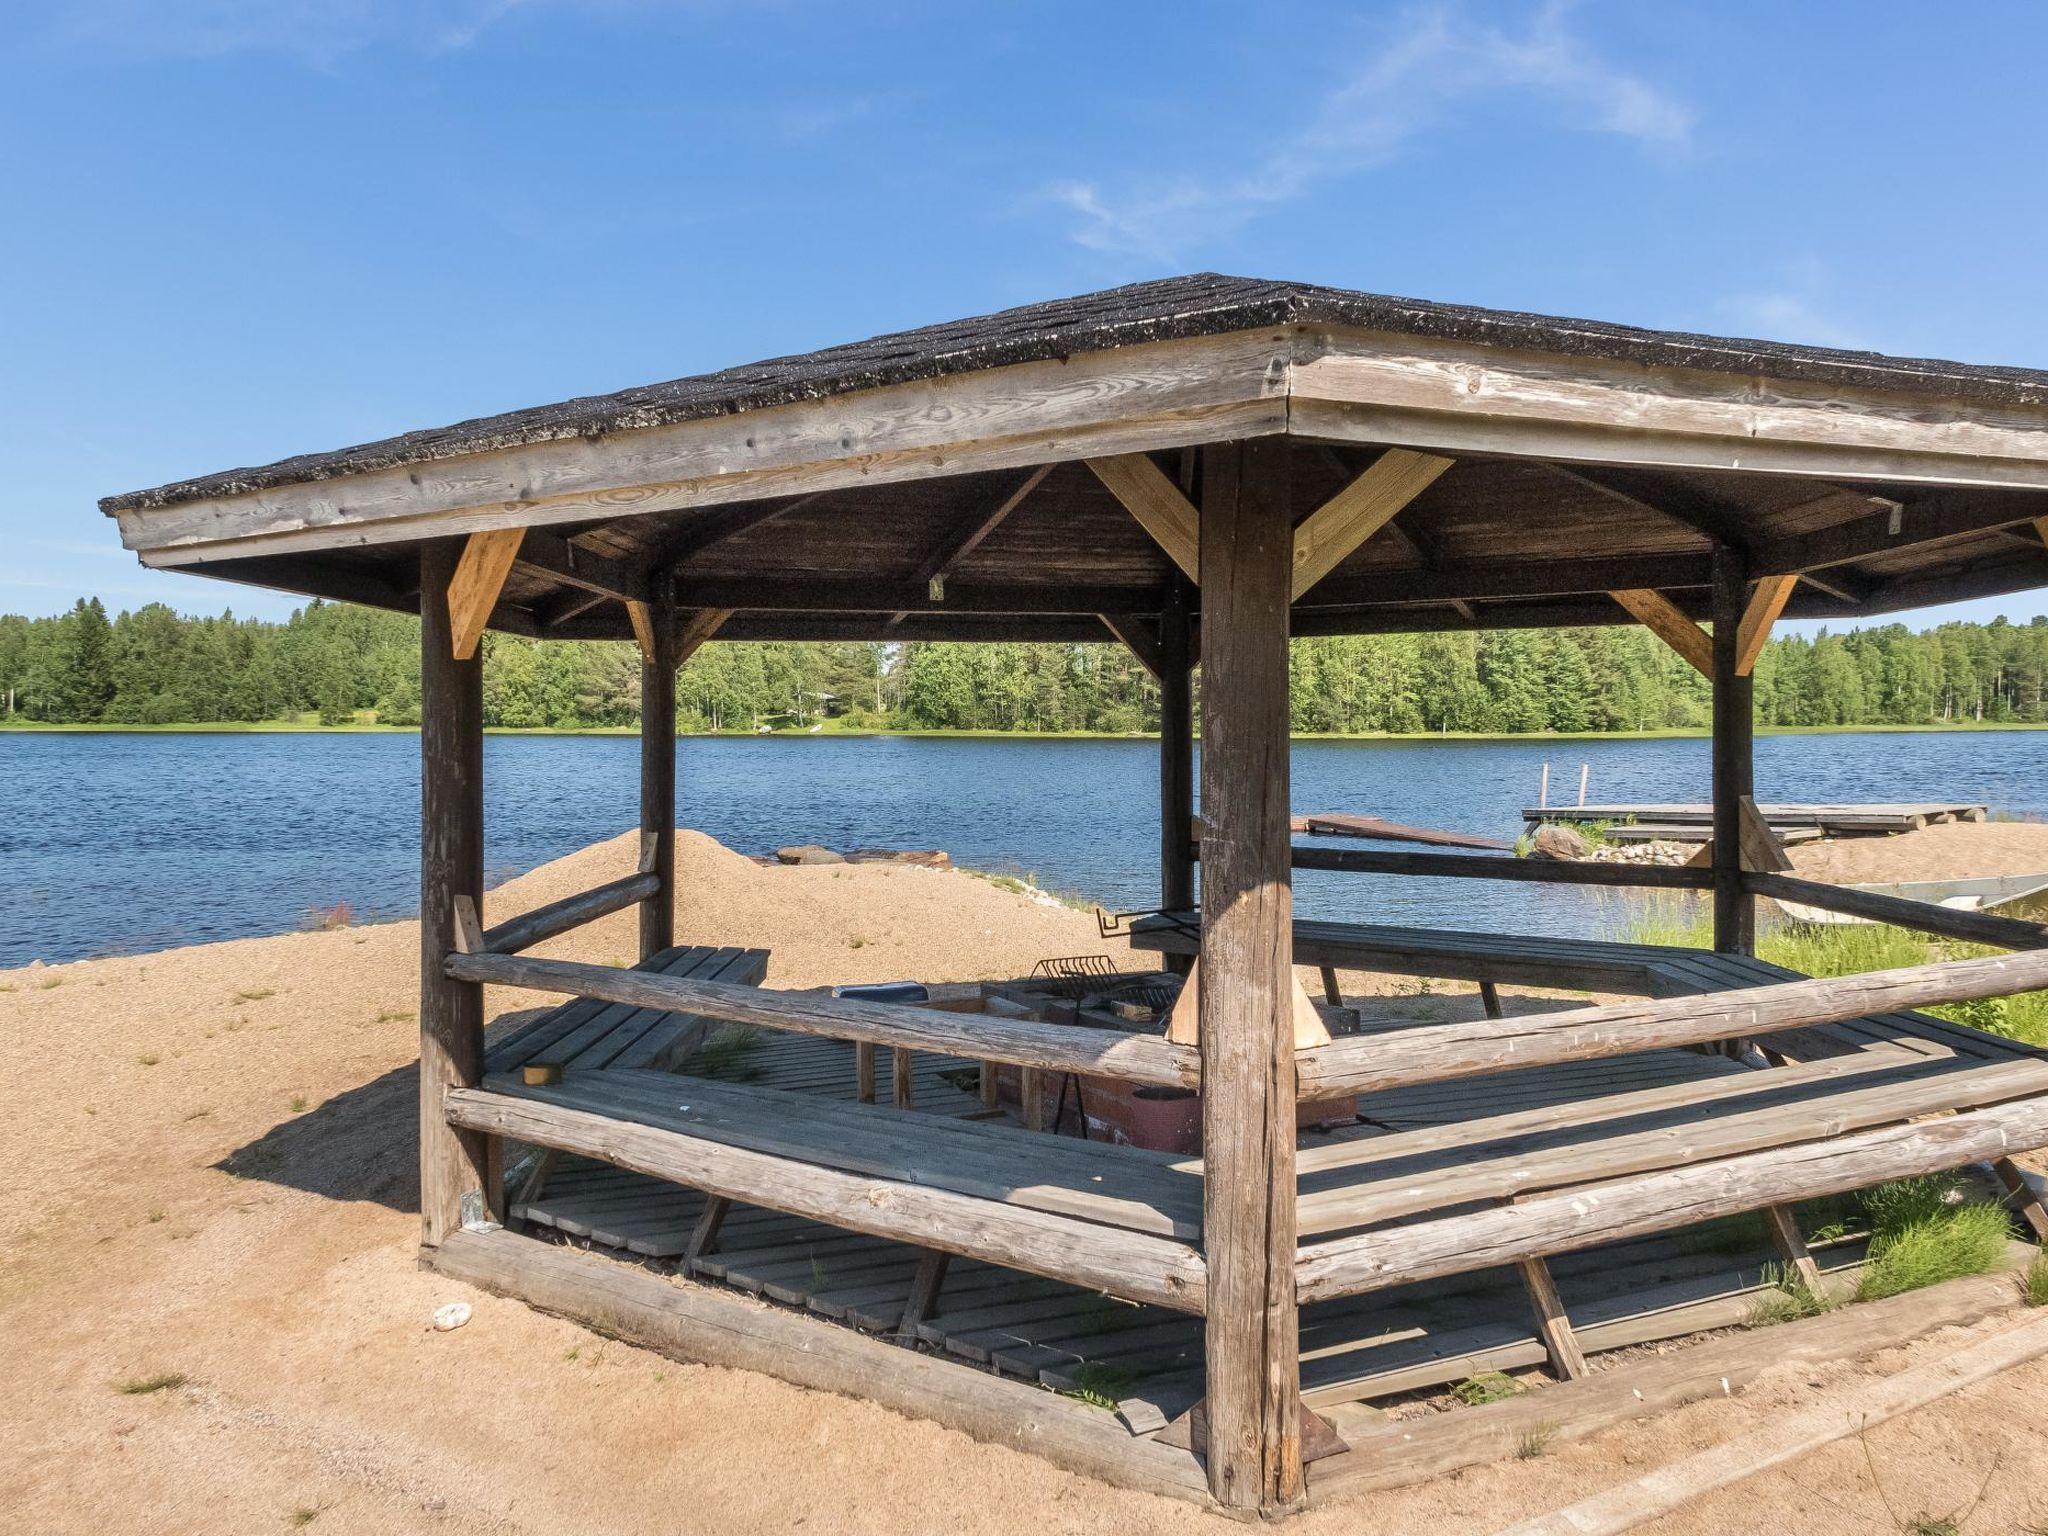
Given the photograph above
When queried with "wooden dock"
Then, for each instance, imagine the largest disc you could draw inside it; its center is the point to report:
(1825, 820)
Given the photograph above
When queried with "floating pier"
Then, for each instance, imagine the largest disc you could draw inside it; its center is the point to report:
(1827, 820)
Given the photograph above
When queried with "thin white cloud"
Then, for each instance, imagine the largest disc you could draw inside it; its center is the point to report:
(1796, 307)
(317, 32)
(1437, 59)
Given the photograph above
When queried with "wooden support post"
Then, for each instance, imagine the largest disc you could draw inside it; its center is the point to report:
(924, 1293)
(2021, 1194)
(704, 1236)
(1791, 1246)
(1251, 1333)
(1031, 1097)
(1332, 993)
(455, 1166)
(1734, 767)
(1176, 762)
(658, 772)
(990, 1088)
(899, 1077)
(864, 1071)
(1489, 999)
(1562, 1345)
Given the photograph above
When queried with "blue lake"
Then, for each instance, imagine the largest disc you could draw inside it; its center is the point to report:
(121, 843)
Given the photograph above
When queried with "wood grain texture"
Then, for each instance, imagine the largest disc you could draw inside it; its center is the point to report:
(1591, 1215)
(1247, 1013)
(1158, 506)
(1130, 1264)
(1766, 602)
(1441, 1052)
(1176, 754)
(1063, 1048)
(1668, 623)
(453, 1164)
(567, 912)
(695, 1323)
(473, 588)
(1360, 510)
(1733, 753)
(659, 658)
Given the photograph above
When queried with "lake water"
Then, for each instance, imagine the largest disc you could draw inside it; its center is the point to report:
(120, 843)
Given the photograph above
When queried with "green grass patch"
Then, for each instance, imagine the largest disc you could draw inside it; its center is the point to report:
(1486, 1387)
(1100, 1386)
(1788, 1298)
(729, 1053)
(1965, 1240)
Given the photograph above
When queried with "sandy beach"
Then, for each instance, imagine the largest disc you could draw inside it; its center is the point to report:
(206, 1178)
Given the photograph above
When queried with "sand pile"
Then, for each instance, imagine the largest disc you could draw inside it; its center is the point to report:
(213, 1321)
(1954, 850)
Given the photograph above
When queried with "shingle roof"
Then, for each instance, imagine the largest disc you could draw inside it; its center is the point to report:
(1203, 304)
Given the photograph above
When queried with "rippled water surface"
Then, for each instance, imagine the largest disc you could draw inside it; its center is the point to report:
(118, 843)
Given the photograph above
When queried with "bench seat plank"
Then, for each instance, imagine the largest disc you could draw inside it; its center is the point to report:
(588, 1033)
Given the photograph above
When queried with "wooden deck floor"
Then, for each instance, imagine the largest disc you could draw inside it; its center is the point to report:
(1145, 1358)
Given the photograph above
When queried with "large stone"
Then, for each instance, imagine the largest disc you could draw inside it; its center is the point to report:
(808, 853)
(1554, 842)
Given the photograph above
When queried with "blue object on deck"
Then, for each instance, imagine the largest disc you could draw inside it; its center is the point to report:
(887, 992)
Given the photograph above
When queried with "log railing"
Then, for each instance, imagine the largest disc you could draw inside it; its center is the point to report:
(1019, 1042)
(1901, 912)
(1483, 866)
(1438, 1053)
(558, 917)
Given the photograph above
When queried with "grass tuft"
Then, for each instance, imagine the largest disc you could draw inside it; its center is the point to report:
(161, 1381)
(1537, 1441)
(1966, 1240)
(1099, 1386)
(1486, 1387)
(1786, 1299)
(729, 1053)
(2034, 1281)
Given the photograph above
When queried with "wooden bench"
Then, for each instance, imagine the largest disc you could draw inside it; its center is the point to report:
(588, 1035)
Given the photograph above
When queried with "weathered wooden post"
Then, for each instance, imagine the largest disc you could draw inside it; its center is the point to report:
(1734, 754)
(454, 1165)
(658, 771)
(1247, 1036)
(1176, 756)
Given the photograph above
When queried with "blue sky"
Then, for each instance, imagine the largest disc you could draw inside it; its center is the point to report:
(239, 229)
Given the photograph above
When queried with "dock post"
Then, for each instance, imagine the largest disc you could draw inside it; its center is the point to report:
(1176, 761)
(1253, 1404)
(658, 770)
(1734, 755)
(455, 1166)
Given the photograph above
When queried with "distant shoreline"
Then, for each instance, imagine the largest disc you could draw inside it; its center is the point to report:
(372, 728)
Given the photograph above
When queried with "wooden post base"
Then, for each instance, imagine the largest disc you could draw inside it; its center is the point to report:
(1190, 1432)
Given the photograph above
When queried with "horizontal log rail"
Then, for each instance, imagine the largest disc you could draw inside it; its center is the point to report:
(1441, 1052)
(558, 917)
(1495, 866)
(983, 1037)
(1138, 1266)
(1591, 1215)
(1902, 912)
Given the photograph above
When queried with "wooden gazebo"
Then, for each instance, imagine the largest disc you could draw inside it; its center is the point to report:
(1199, 468)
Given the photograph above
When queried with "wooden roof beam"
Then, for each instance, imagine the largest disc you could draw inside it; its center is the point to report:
(968, 536)
(584, 569)
(473, 590)
(840, 595)
(1703, 514)
(697, 627)
(1766, 601)
(1336, 528)
(1894, 525)
(717, 526)
(1668, 623)
(1139, 633)
(1159, 506)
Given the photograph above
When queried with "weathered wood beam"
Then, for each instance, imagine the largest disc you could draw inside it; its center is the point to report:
(1668, 623)
(1733, 752)
(1138, 633)
(709, 529)
(1251, 1338)
(473, 589)
(1444, 1052)
(968, 537)
(571, 564)
(1925, 519)
(1901, 911)
(455, 1166)
(571, 604)
(559, 916)
(702, 1324)
(2041, 529)
(1137, 1265)
(641, 617)
(1336, 528)
(658, 664)
(1022, 1042)
(838, 595)
(1766, 601)
(1717, 520)
(699, 625)
(1484, 866)
(1050, 628)
(1534, 578)
(1176, 758)
(1588, 1217)
(1158, 505)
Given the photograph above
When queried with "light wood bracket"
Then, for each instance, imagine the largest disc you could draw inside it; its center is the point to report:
(473, 590)
(1667, 621)
(1336, 528)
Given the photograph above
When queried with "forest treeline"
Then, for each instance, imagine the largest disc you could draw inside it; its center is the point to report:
(153, 666)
